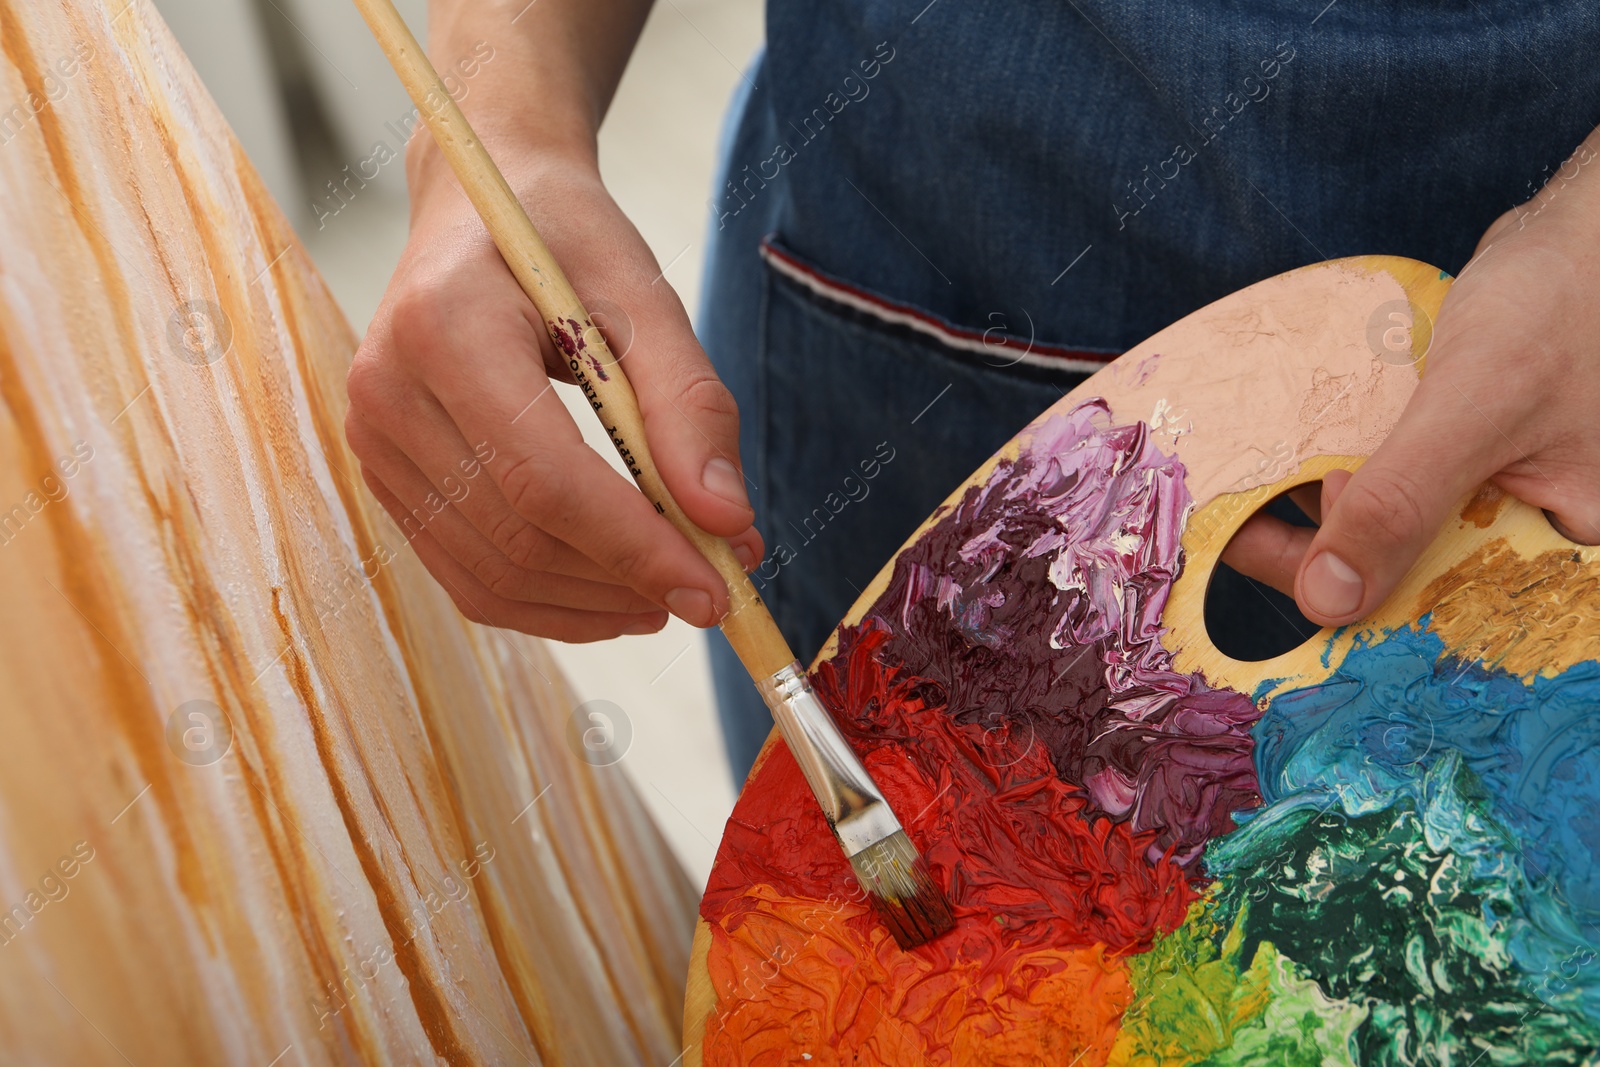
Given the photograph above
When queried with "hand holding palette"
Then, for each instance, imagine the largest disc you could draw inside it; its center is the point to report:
(1380, 847)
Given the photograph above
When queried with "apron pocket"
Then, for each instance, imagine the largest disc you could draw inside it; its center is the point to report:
(871, 412)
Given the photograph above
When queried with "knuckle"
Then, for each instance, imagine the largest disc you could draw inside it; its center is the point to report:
(705, 394)
(363, 383)
(524, 544)
(533, 486)
(1385, 507)
(421, 318)
(629, 561)
(499, 575)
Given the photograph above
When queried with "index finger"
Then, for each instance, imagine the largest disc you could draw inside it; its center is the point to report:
(551, 477)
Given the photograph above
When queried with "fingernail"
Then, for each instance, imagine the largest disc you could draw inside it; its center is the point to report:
(746, 558)
(693, 606)
(1331, 586)
(647, 624)
(722, 478)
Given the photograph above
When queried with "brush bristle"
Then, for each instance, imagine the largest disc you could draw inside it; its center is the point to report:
(897, 879)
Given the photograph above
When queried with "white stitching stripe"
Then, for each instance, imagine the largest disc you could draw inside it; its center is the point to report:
(1011, 349)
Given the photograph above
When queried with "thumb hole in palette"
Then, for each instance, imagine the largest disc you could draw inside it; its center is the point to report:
(1247, 619)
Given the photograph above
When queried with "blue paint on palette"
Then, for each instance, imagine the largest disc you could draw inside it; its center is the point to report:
(1374, 737)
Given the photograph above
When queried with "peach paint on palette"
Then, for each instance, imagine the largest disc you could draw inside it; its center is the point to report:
(1154, 863)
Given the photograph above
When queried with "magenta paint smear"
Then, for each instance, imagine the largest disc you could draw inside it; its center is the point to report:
(1036, 605)
(570, 340)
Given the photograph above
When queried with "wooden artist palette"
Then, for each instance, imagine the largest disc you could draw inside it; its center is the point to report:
(1382, 846)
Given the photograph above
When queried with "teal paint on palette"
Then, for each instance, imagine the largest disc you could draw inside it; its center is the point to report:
(1408, 912)
(1420, 880)
(1427, 851)
(1396, 864)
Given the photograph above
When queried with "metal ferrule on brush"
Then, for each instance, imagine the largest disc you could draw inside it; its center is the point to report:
(885, 862)
(855, 808)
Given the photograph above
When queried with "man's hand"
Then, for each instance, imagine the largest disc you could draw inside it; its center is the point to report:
(451, 404)
(1510, 395)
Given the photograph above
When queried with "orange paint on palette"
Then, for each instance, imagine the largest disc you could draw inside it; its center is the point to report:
(1528, 616)
(1484, 507)
(1049, 898)
(1009, 693)
(1058, 1007)
(816, 982)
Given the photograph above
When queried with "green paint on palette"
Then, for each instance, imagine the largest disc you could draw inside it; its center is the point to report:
(1400, 928)
(1301, 1027)
(1189, 992)
(1195, 1006)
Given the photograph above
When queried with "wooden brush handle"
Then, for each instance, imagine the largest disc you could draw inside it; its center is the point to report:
(749, 625)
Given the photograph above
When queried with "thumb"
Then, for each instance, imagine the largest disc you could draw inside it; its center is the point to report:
(691, 421)
(1377, 521)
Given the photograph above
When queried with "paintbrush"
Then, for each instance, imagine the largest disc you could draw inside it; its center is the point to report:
(885, 862)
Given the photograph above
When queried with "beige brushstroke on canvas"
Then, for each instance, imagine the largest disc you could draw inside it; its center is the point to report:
(360, 877)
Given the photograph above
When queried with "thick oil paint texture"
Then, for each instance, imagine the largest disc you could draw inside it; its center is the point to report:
(1396, 864)
(1410, 911)
(1060, 777)
(1374, 735)
(1036, 609)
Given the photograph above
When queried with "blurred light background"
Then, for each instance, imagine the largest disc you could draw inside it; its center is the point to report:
(309, 93)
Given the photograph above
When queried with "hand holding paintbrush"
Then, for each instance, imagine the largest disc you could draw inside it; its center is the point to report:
(883, 858)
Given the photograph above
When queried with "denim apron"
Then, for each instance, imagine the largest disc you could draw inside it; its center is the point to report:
(934, 219)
